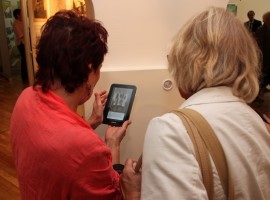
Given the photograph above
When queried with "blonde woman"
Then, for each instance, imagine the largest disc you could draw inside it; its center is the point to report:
(214, 62)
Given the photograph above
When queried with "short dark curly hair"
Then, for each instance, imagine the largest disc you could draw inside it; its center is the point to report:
(16, 12)
(68, 44)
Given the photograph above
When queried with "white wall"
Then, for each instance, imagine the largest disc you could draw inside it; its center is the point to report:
(259, 6)
(139, 34)
(139, 30)
(150, 100)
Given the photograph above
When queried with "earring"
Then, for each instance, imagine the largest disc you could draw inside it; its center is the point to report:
(88, 87)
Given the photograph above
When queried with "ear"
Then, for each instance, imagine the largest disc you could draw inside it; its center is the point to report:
(90, 69)
(183, 94)
(90, 66)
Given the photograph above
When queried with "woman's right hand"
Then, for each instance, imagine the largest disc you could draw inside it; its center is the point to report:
(97, 114)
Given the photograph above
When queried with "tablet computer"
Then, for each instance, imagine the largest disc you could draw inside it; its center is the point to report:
(119, 104)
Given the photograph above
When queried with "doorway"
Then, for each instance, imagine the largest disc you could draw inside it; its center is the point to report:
(10, 57)
(35, 13)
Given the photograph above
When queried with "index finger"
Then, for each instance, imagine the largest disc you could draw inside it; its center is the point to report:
(103, 92)
(126, 124)
(139, 164)
(98, 98)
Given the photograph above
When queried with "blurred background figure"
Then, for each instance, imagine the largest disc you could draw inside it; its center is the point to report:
(18, 30)
(263, 39)
(252, 24)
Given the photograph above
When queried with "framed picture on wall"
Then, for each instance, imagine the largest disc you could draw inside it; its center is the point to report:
(7, 9)
(79, 6)
(40, 10)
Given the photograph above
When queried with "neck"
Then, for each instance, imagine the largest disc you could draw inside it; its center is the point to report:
(70, 98)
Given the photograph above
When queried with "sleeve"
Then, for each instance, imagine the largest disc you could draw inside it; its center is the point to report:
(260, 23)
(96, 178)
(170, 169)
(259, 35)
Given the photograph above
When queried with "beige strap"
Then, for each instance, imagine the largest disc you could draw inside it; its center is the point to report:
(139, 164)
(199, 130)
(201, 153)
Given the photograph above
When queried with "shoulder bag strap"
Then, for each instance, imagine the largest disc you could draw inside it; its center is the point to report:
(201, 153)
(206, 135)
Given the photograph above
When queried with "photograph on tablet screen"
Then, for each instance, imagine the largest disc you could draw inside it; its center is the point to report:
(119, 103)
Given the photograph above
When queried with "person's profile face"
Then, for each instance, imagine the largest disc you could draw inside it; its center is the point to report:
(19, 17)
(89, 85)
(250, 16)
(94, 78)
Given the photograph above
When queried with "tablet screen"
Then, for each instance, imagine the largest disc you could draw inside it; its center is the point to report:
(119, 104)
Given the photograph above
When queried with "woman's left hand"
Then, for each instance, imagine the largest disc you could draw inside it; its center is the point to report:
(114, 135)
(113, 138)
(130, 182)
(97, 114)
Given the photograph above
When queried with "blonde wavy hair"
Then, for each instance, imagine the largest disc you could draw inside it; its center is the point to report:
(215, 49)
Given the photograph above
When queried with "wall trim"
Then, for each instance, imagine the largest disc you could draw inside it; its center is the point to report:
(142, 68)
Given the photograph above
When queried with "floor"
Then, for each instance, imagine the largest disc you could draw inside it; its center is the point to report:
(9, 92)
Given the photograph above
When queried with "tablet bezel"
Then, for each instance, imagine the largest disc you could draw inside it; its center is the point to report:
(107, 109)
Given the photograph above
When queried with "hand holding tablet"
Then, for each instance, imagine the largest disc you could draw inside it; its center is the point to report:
(119, 104)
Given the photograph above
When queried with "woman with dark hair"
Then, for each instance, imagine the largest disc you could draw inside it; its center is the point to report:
(57, 153)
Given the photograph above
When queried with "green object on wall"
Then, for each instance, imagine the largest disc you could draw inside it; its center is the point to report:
(232, 8)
